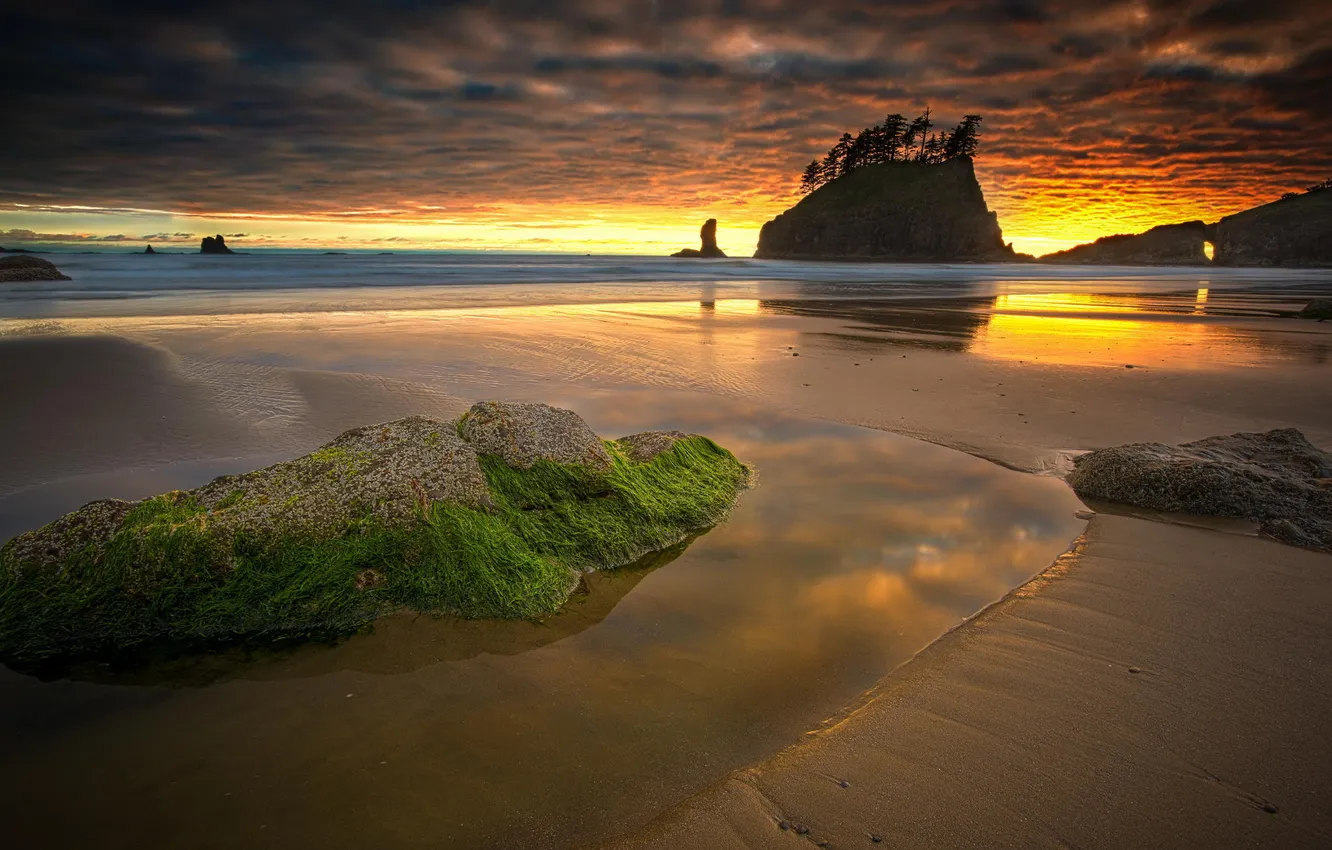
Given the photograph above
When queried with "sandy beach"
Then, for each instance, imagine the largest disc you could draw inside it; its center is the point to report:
(1163, 683)
(1159, 686)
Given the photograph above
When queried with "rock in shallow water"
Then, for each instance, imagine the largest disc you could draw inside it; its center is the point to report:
(1277, 478)
(25, 268)
(1320, 309)
(494, 516)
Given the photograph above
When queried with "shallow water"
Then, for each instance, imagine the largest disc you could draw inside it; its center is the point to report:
(191, 284)
(856, 549)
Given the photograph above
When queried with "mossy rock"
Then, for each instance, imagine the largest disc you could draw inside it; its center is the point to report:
(403, 515)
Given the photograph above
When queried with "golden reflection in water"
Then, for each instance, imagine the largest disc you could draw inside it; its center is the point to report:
(855, 550)
(1200, 301)
(1077, 329)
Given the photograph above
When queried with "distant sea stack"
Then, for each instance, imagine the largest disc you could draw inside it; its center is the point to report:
(1167, 245)
(1294, 231)
(891, 211)
(22, 268)
(214, 245)
(149, 250)
(709, 250)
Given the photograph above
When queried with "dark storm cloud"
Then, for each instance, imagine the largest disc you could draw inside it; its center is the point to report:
(459, 108)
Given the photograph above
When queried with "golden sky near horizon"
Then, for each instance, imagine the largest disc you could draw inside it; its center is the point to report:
(600, 127)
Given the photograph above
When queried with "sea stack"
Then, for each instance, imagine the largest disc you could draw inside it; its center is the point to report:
(892, 211)
(708, 236)
(149, 250)
(214, 245)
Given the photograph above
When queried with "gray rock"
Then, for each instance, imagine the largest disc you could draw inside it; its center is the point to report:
(93, 524)
(1277, 478)
(647, 445)
(23, 267)
(1319, 309)
(387, 472)
(521, 434)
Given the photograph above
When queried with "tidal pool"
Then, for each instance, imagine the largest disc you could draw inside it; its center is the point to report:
(856, 549)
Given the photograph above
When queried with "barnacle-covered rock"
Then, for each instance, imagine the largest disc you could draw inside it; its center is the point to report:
(1277, 478)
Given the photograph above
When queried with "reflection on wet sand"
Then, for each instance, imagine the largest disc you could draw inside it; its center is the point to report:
(1188, 330)
(940, 324)
(856, 549)
(397, 643)
(1078, 329)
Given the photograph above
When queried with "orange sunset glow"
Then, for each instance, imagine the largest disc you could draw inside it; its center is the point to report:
(615, 128)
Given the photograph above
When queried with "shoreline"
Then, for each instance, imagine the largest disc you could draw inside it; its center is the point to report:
(1008, 729)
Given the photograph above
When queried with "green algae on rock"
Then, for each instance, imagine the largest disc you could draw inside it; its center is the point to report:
(487, 517)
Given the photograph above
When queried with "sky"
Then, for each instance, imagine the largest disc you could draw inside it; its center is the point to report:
(618, 126)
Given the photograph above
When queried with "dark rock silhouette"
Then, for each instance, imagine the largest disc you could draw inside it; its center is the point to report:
(708, 236)
(4, 250)
(892, 211)
(149, 250)
(1319, 309)
(1291, 232)
(1274, 478)
(214, 245)
(1166, 245)
(23, 268)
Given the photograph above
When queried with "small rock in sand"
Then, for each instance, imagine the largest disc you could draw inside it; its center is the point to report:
(1270, 478)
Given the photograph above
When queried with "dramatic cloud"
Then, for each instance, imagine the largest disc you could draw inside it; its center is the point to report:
(1097, 120)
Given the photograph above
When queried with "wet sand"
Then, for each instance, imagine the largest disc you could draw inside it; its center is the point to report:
(1023, 727)
(857, 549)
(1022, 381)
(1159, 686)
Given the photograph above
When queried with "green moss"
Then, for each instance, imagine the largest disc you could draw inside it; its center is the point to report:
(165, 575)
(232, 499)
(340, 461)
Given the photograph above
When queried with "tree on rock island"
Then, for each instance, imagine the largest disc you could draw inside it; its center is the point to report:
(894, 140)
